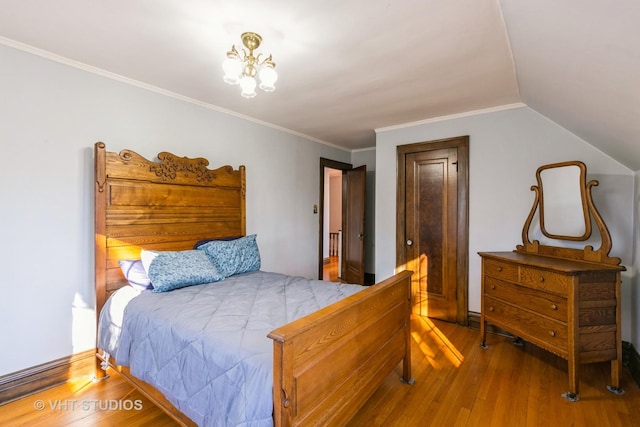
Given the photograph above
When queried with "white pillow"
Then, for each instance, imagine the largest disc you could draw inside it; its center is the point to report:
(146, 257)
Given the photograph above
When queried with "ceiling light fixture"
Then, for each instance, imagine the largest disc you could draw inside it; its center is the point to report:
(243, 70)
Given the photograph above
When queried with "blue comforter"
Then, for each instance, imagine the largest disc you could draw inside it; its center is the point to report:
(206, 348)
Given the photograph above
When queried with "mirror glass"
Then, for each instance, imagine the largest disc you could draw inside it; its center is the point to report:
(563, 207)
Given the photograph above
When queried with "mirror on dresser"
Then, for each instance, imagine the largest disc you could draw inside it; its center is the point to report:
(563, 203)
(562, 298)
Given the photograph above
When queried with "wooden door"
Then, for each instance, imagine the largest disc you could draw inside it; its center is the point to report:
(353, 207)
(432, 221)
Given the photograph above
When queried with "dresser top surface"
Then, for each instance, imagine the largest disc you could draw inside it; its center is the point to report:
(558, 264)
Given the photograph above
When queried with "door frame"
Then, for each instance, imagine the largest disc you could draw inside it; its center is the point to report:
(333, 164)
(462, 255)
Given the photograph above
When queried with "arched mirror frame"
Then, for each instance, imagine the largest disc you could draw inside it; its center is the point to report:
(577, 210)
(589, 212)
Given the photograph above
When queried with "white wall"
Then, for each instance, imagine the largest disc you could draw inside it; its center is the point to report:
(51, 115)
(505, 149)
(335, 203)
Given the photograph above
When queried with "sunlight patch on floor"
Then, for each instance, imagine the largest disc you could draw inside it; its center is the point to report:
(427, 335)
(77, 385)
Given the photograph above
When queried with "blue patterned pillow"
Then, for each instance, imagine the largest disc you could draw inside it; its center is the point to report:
(202, 242)
(233, 256)
(171, 270)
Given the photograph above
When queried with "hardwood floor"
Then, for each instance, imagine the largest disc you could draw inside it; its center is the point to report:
(457, 384)
(460, 384)
(82, 402)
(330, 270)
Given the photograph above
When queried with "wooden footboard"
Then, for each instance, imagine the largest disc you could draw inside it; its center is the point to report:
(327, 364)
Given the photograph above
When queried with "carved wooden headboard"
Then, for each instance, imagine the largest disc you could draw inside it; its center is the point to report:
(169, 204)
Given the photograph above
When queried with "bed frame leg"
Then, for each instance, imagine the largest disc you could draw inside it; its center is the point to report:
(410, 381)
(99, 376)
(100, 369)
(615, 390)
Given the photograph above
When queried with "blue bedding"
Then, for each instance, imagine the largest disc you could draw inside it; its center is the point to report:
(205, 347)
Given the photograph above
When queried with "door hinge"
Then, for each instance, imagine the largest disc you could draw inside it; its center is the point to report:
(455, 163)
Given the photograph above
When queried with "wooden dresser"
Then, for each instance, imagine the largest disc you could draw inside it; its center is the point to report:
(561, 298)
(567, 307)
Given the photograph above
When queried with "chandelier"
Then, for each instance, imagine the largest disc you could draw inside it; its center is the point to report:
(243, 70)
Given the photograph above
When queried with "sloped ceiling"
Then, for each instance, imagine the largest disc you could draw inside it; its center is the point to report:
(578, 63)
(349, 67)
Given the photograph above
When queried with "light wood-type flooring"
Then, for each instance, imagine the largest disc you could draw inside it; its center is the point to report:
(457, 384)
(330, 270)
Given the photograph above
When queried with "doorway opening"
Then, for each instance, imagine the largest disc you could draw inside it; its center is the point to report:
(332, 219)
(341, 221)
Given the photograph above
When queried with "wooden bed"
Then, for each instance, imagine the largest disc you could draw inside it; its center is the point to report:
(326, 365)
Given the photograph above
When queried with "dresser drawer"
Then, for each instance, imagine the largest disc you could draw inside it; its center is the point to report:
(545, 280)
(542, 331)
(541, 302)
(501, 270)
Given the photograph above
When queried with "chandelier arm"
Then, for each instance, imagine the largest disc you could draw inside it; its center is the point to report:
(268, 61)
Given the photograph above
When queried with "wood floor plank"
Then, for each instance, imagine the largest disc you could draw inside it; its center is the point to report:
(457, 384)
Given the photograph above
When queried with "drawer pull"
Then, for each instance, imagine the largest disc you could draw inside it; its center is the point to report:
(499, 268)
(541, 279)
(493, 286)
(491, 309)
(552, 333)
(554, 307)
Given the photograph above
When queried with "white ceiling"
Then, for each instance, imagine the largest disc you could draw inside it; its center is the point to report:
(347, 67)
